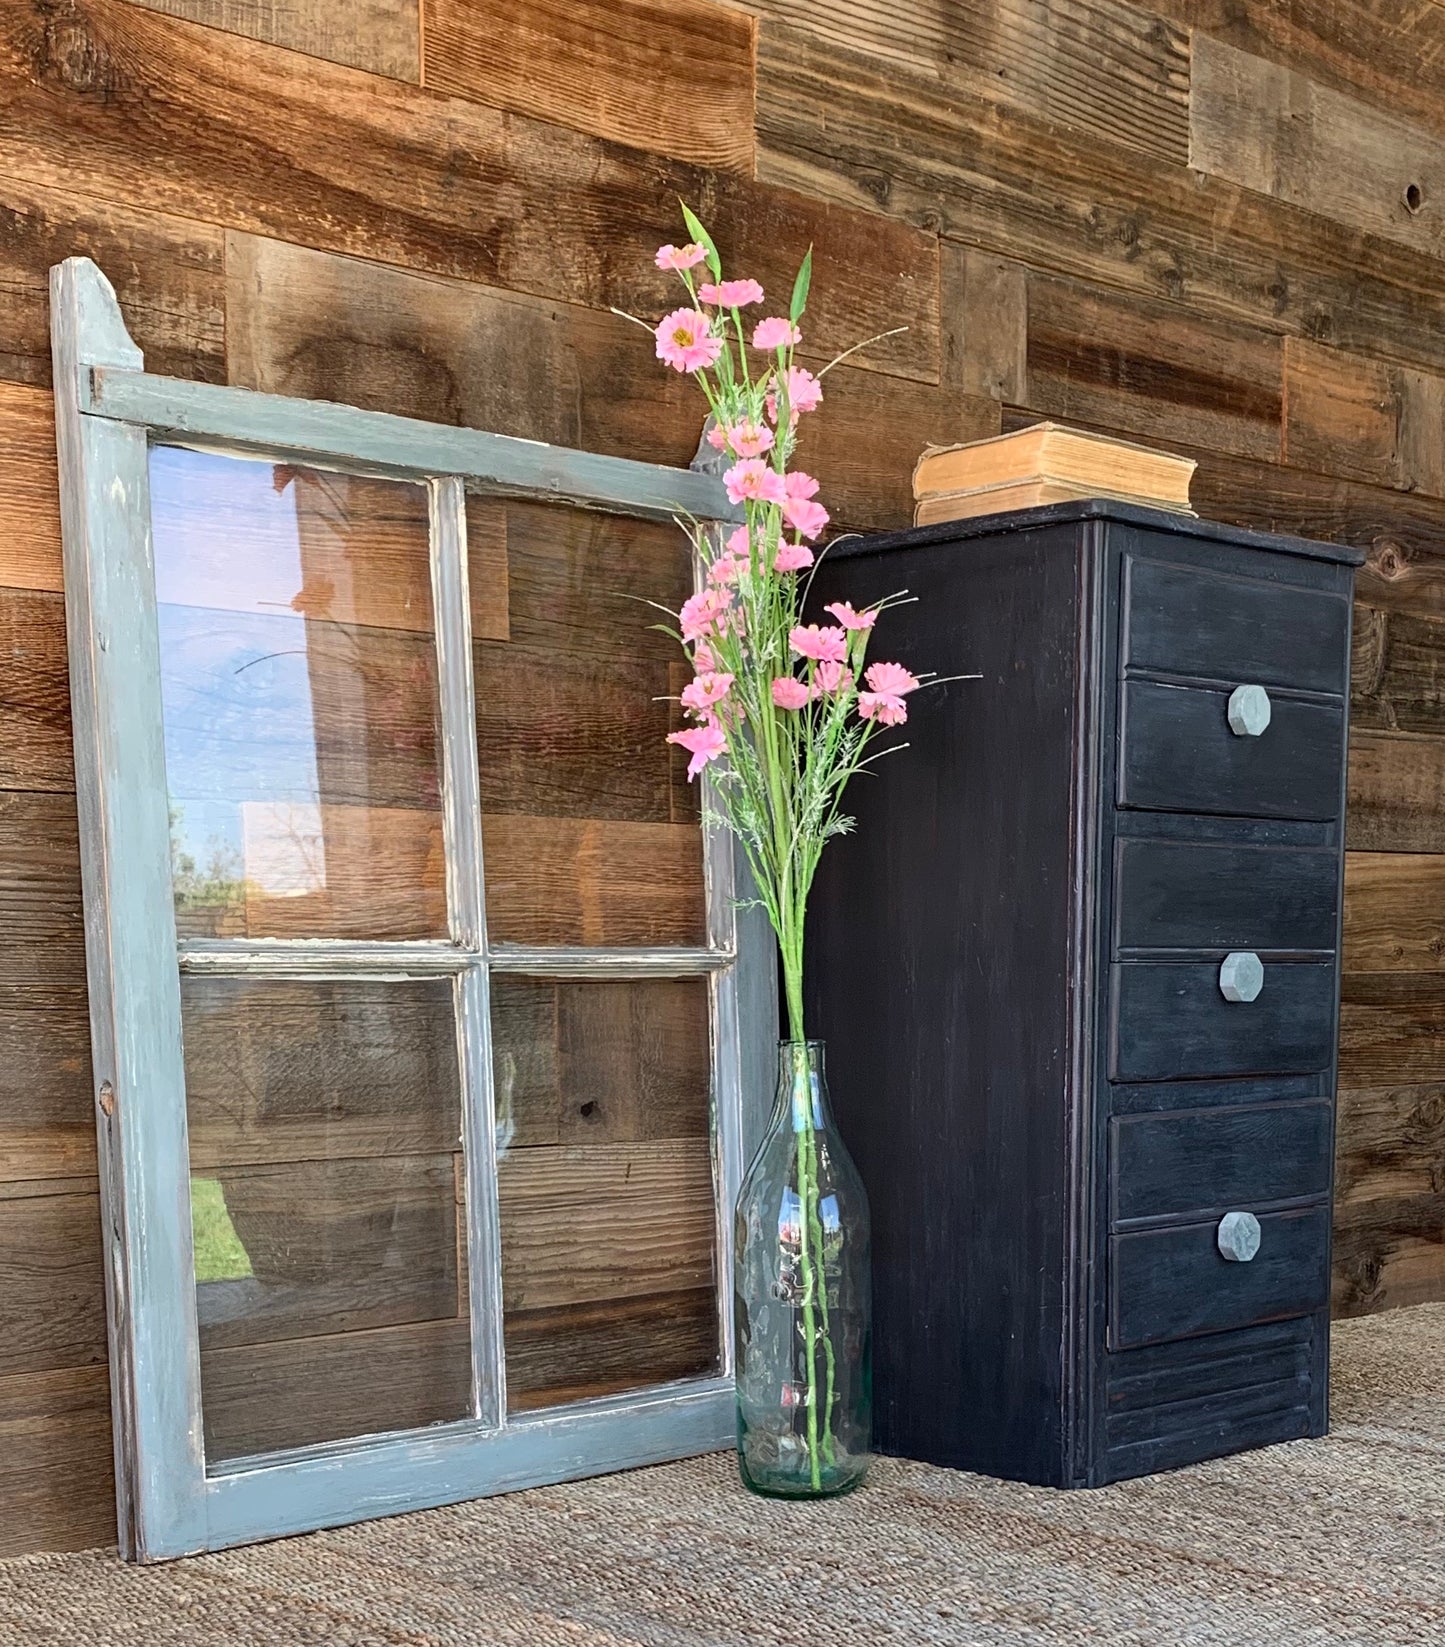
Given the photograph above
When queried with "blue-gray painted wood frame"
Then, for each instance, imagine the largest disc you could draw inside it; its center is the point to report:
(107, 410)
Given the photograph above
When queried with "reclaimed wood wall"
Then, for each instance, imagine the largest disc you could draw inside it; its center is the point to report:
(1216, 224)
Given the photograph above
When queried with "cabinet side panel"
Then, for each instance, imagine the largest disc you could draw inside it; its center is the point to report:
(938, 966)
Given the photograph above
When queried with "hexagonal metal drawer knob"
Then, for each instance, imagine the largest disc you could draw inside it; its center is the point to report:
(1241, 976)
(1249, 711)
(1238, 1236)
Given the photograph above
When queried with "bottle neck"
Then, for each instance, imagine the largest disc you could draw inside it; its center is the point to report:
(802, 1103)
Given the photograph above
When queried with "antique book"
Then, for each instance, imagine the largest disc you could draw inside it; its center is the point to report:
(1045, 463)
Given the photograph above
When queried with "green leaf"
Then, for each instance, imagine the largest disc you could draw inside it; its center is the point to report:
(800, 287)
(703, 239)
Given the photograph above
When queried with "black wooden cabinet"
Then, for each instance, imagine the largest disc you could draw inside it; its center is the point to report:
(1077, 972)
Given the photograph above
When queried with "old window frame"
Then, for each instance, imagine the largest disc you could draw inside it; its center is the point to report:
(108, 412)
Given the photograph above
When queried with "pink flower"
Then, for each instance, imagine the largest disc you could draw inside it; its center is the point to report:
(683, 341)
(701, 694)
(890, 681)
(792, 557)
(731, 294)
(789, 692)
(724, 570)
(831, 677)
(805, 516)
(799, 485)
(822, 644)
(775, 333)
(717, 436)
(702, 659)
(880, 707)
(739, 544)
(704, 743)
(843, 611)
(804, 394)
(749, 440)
(701, 615)
(890, 678)
(680, 257)
(752, 478)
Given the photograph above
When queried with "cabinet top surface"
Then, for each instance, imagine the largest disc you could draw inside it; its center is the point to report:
(1064, 514)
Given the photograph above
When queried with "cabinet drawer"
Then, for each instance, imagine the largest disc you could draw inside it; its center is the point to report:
(1174, 1283)
(1198, 895)
(1171, 1022)
(1209, 1160)
(1178, 754)
(1182, 620)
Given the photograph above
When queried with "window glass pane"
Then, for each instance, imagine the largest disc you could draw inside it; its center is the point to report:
(590, 829)
(327, 1208)
(605, 1185)
(299, 692)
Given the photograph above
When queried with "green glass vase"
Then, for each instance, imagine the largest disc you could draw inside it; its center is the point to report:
(803, 1302)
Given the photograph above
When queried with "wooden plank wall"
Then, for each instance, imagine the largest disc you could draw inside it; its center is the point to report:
(1215, 224)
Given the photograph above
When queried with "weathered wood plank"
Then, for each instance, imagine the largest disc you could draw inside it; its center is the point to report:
(329, 1246)
(592, 881)
(1390, 1027)
(35, 748)
(673, 77)
(1389, 53)
(298, 1392)
(335, 328)
(984, 311)
(592, 1222)
(221, 128)
(1270, 129)
(30, 498)
(51, 1281)
(1397, 675)
(579, 1351)
(1389, 1253)
(1366, 419)
(1394, 912)
(1391, 1143)
(1395, 793)
(1151, 368)
(617, 1062)
(383, 36)
(55, 1461)
(1011, 184)
(169, 274)
(281, 1070)
(1112, 70)
(40, 911)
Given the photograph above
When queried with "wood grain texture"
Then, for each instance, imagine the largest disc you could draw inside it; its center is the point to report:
(167, 272)
(1019, 187)
(1394, 912)
(217, 127)
(1398, 673)
(1390, 1027)
(1151, 369)
(579, 1351)
(1388, 53)
(1389, 1253)
(1273, 130)
(55, 1461)
(1115, 71)
(40, 911)
(383, 36)
(30, 499)
(1396, 793)
(674, 77)
(592, 881)
(35, 747)
(335, 328)
(51, 1278)
(1392, 1143)
(1365, 419)
(984, 311)
(337, 1385)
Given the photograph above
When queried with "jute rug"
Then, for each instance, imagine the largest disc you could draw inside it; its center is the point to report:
(1339, 1542)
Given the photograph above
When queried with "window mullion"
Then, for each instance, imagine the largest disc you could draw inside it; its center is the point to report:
(466, 911)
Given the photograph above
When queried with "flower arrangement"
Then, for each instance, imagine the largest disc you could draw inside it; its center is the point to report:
(788, 710)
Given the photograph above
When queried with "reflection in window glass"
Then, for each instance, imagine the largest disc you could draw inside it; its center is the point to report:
(299, 689)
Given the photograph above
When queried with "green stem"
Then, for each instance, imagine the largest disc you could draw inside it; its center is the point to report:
(801, 1105)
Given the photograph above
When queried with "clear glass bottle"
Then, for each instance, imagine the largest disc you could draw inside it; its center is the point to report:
(803, 1300)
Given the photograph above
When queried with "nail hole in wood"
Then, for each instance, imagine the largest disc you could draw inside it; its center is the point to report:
(1414, 197)
(106, 1098)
